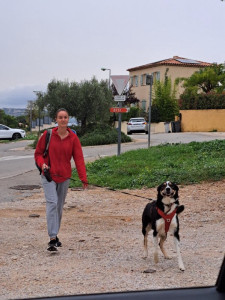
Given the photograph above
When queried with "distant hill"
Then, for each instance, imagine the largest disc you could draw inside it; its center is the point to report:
(14, 112)
(19, 96)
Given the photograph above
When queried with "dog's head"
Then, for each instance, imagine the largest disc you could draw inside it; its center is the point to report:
(167, 189)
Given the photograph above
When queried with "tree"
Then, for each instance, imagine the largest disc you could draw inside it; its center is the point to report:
(31, 113)
(94, 101)
(57, 96)
(164, 106)
(88, 101)
(209, 79)
(131, 97)
(7, 119)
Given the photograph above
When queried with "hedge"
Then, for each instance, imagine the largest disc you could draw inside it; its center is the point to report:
(202, 101)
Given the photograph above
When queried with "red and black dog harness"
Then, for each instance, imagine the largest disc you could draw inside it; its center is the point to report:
(167, 218)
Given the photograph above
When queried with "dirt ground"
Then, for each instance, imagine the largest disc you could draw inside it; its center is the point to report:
(103, 245)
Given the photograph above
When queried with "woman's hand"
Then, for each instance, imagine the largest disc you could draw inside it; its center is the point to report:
(44, 166)
(85, 185)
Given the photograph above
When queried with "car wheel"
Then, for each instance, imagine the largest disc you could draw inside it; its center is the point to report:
(146, 132)
(16, 136)
(129, 132)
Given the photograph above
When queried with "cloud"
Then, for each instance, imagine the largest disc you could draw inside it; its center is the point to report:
(18, 97)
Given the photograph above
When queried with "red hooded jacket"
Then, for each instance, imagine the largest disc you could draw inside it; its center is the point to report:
(59, 155)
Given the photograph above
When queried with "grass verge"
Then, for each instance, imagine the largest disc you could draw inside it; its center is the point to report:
(182, 163)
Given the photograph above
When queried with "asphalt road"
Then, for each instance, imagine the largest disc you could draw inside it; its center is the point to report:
(17, 164)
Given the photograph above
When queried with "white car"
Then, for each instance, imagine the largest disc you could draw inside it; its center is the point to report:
(137, 125)
(11, 133)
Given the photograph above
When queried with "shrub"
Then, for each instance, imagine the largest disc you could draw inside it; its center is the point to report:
(96, 134)
(202, 101)
(165, 106)
(102, 136)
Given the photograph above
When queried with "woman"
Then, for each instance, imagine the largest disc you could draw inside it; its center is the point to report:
(64, 144)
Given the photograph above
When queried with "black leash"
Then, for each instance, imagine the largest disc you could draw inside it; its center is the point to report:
(110, 189)
(122, 192)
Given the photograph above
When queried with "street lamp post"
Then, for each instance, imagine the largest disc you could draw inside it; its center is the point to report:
(105, 69)
(149, 81)
(30, 104)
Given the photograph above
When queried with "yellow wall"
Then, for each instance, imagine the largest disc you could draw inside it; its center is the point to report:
(203, 120)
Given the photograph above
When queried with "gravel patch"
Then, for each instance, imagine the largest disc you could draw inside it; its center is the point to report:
(103, 245)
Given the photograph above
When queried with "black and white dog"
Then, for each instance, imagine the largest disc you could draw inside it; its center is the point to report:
(162, 216)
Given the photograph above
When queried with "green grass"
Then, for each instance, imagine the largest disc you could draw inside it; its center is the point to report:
(182, 163)
(4, 141)
(31, 136)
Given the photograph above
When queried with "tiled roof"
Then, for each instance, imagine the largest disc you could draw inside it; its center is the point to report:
(175, 61)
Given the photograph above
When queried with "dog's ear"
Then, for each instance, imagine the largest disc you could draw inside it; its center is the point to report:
(159, 196)
(175, 188)
(159, 187)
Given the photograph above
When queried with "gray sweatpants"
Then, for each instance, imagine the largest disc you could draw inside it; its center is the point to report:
(55, 195)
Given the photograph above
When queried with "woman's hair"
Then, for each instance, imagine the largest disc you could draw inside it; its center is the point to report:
(61, 109)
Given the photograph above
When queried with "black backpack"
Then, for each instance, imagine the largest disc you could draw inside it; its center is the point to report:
(47, 142)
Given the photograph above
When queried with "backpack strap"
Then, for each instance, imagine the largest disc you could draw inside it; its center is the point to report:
(47, 141)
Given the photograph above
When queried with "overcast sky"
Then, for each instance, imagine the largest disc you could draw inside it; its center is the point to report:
(71, 40)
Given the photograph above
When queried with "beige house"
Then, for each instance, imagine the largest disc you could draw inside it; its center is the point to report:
(178, 67)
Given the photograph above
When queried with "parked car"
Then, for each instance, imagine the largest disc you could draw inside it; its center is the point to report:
(11, 133)
(137, 125)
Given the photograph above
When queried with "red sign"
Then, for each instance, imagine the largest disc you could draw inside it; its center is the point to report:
(118, 109)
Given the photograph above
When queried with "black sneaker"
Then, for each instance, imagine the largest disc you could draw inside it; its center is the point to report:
(58, 243)
(52, 245)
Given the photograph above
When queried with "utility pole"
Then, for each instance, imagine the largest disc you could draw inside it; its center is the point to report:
(39, 94)
(149, 81)
(119, 130)
(30, 104)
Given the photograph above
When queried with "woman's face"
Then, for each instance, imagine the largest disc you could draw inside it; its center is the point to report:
(62, 118)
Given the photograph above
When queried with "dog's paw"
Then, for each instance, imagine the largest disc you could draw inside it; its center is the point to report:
(180, 208)
(167, 257)
(182, 268)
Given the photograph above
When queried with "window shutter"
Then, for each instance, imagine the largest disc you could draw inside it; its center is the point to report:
(131, 80)
(158, 76)
(136, 80)
(143, 104)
